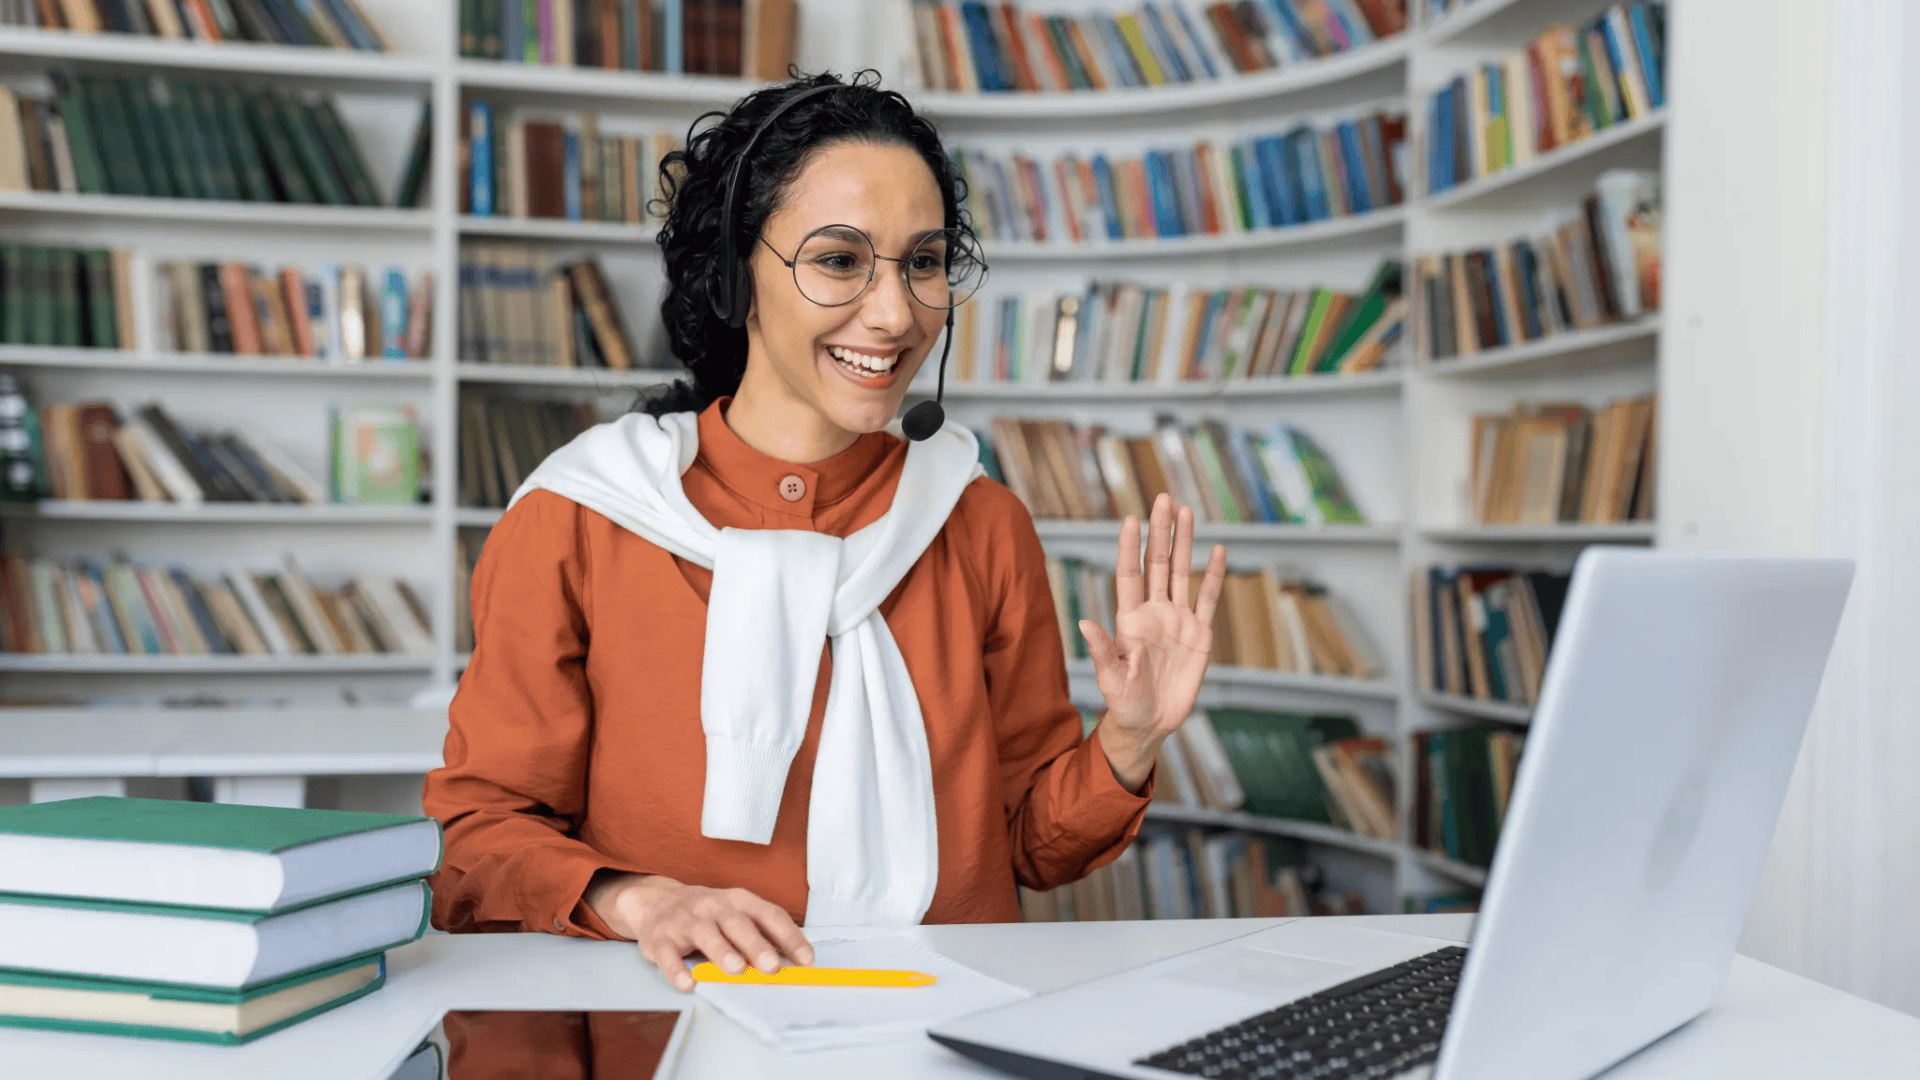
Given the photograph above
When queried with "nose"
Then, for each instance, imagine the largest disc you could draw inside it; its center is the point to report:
(887, 306)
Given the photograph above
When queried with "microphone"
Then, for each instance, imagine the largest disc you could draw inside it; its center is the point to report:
(924, 419)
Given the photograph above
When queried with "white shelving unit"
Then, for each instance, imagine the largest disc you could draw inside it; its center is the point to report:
(1398, 434)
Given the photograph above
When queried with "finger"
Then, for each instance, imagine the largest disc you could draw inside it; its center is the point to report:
(1182, 556)
(1099, 645)
(668, 958)
(746, 937)
(1211, 585)
(711, 940)
(780, 929)
(1157, 547)
(1128, 587)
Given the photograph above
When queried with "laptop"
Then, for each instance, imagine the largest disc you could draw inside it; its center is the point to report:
(1670, 717)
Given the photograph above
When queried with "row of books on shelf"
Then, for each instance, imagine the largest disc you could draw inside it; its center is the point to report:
(1119, 332)
(559, 166)
(1317, 769)
(86, 451)
(1565, 85)
(521, 305)
(974, 47)
(1593, 265)
(1195, 873)
(1267, 619)
(1463, 779)
(1308, 173)
(1484, 630)
(1062, 470)
(331, 24)
(342, 314)
(172, 138)
(1542, 464)
(750, 39)
(66, 296)
(503, 438)
(113, 607)
(244, 919)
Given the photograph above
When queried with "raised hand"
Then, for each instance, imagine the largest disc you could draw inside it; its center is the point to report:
(1150, 669)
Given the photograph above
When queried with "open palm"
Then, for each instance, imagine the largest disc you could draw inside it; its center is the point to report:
(1150, 669)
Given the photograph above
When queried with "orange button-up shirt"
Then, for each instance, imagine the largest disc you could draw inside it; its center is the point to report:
(575, 743)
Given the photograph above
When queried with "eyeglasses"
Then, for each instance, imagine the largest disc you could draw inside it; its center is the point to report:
(834, 264)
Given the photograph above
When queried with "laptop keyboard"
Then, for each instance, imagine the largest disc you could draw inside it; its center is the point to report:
(1373, 1027)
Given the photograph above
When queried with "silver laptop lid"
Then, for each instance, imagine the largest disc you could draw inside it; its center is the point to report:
(1671, 715)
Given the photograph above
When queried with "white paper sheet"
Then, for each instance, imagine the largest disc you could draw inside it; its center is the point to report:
(801, 1019)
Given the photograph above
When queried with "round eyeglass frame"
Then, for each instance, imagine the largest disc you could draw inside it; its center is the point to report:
(793, 264)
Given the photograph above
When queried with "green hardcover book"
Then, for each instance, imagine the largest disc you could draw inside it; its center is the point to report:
(413, 184)
(346, 157)
(43, 316)
(377, 455)
(214, 139)
(101, 329)
(80, 137)
(280, 156)
(1301, 361)
(13, 294)
(1360, 318)
(1242, 208)
(491, 12)
(529, 31)
(209, 947)
(305, 138)
(470, 29)
(1272, 755)
(1329, 491)
(257, 860)
(250, 169)
(184, 140)
(136, 103)
(152, 1010)
(113, 136)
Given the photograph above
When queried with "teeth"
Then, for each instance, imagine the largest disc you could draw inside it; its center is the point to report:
(862, 360)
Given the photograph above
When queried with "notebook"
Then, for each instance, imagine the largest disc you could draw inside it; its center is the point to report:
(806, 1019)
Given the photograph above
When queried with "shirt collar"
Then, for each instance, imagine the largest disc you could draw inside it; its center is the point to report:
(759, 478)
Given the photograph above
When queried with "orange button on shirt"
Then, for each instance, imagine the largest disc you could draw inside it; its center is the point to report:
(575, 742)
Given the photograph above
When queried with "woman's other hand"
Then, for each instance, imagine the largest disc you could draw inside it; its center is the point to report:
(1150, 669)
(670, 920)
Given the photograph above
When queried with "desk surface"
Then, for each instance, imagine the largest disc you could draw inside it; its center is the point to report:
(1768, 1024)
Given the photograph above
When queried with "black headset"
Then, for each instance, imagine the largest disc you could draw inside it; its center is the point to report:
(731, 295)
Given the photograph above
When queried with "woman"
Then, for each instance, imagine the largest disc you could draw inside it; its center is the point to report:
(747, 659)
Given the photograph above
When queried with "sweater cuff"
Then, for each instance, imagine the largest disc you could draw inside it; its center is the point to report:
(1110, 810)
(555, 898)
(744, 783)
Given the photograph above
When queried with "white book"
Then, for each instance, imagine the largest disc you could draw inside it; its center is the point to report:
(289, 472)
(63, 174)
(136, 439)
(1518, 80)
(385, 597)
(227, 950)
(46, 604)
(1289, 479)
(1206, 749)
(248, 592)
(1179, 326)
(1180, 774)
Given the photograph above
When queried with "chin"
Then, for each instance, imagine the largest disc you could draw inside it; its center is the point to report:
(864, 416)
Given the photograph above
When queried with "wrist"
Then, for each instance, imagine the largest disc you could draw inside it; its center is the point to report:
(1129, 755)
(623, 901)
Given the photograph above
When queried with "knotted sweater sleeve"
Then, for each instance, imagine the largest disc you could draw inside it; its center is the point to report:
(513, 790)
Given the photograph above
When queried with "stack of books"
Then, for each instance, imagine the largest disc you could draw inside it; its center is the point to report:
(1560, 462)
(1310, 172)
(974, 47)
(1063, 471)
(167, 138)
(1484, 631)
(1463, 779)
(64, 296)
(1566, 85)
(521, 305)
(202, 922)
(326, 24)
(543, 164)
(750, 39)
(503, 438)
(327, 312)
(1121, 331)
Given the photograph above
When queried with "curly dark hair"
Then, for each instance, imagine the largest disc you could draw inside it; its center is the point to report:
(694, 183)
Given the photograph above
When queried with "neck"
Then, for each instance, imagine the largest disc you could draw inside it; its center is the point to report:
(773, 420)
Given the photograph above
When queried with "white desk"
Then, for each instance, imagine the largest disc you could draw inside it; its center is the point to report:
(1769, 1024)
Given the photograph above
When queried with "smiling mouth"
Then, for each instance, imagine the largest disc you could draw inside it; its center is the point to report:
(870, 369)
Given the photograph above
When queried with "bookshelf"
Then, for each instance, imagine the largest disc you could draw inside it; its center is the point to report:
(1398, 433)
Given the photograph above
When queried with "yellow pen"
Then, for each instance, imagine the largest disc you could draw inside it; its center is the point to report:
(815, 976)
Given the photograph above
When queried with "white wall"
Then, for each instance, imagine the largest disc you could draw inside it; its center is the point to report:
(1788, 399)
